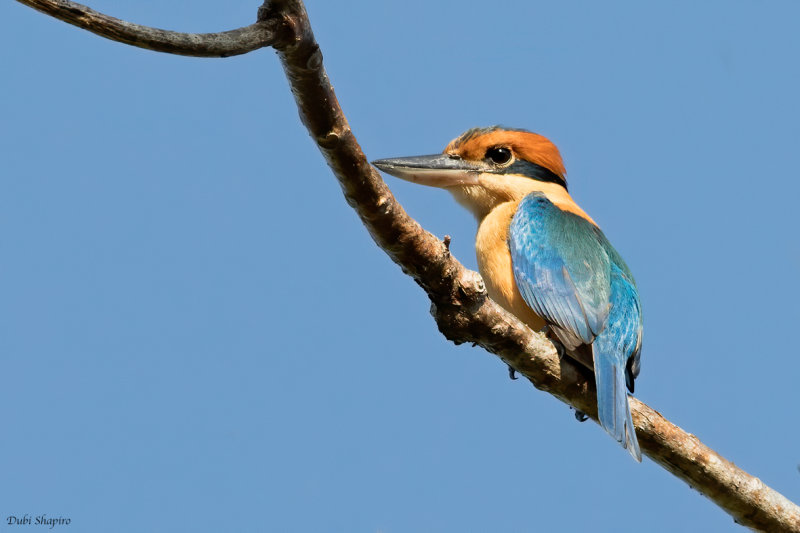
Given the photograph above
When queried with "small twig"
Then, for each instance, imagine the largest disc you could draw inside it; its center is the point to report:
(225, 44)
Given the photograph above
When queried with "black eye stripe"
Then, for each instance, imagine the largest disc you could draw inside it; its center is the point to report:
(531, 170)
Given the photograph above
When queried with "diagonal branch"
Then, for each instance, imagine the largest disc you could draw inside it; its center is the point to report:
(464, 313)
(229, 43)
(459, 302)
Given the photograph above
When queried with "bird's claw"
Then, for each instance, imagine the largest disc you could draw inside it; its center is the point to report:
(580, 416)
(512, 374)
(559, 348)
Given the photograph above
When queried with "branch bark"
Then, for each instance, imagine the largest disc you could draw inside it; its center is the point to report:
(459, 302)
(225, 44)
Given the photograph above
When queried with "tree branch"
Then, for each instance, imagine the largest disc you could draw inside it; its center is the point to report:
(464, 313)
(225, 44)
(459, 302)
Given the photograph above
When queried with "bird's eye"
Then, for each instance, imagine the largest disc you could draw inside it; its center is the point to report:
(498, 155)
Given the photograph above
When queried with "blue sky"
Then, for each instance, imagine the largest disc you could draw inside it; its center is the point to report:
(196, 332)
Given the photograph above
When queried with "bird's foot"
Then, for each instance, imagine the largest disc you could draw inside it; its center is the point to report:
(559, 348)
(580, 416)
(512, 374)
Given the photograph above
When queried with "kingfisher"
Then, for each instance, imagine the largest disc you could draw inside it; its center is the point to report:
(542, 257)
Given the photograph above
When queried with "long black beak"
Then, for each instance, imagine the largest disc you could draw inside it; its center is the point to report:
(438, 170)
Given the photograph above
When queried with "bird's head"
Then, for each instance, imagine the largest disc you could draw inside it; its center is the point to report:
(486, 167)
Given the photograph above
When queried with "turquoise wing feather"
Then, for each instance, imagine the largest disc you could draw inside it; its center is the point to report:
(570, 275)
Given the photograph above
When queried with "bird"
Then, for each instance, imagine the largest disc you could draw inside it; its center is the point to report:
(542, 257)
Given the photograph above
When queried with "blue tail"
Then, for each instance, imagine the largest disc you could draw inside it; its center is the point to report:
(612, 396)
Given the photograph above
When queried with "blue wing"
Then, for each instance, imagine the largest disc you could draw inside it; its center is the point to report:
(570, 275)
(616, 360)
